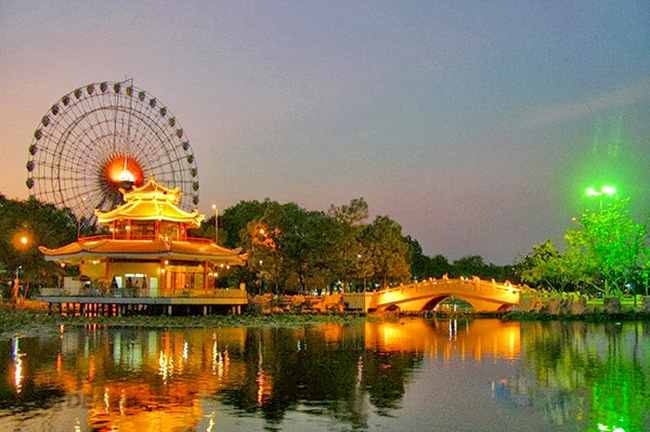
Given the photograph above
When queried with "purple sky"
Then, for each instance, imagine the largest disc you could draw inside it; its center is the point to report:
(476, 125)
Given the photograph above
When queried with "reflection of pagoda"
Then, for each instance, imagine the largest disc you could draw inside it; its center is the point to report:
(148, 255)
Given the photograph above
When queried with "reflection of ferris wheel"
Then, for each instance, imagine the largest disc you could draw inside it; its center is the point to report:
(103, 137)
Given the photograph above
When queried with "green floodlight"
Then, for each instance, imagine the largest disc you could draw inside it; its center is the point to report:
(605, 190)
(608, 190)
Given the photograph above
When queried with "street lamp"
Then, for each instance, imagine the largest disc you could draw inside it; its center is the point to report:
(605, 190)
(216, 223)
(22, 241)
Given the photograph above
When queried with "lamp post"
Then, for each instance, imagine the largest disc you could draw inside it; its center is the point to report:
(16, 288)
(216, 223)
(605, 190)
(21, 241)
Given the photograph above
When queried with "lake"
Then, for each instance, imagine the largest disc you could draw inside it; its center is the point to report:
(403, 375)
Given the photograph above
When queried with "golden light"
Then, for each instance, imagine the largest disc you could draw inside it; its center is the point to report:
(121, 169)
(127, 176)
(22, 240)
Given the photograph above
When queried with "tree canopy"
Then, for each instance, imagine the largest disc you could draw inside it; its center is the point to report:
(607, 252)
(290, 249)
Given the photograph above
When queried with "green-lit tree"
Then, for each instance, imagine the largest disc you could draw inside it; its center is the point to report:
(608, 251)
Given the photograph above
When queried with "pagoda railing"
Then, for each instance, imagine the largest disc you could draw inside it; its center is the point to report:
(138, 237)
(144, 293)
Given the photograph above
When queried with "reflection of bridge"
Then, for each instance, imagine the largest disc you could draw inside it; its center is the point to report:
(483, 296)
(446, 339)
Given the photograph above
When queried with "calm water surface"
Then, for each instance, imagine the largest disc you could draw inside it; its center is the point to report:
(407, 375)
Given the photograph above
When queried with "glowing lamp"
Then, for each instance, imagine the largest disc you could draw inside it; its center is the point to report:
(608, 190)
(21, 240)
(605, 190)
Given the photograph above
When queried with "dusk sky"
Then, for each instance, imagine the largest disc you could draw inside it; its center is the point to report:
(476, 125)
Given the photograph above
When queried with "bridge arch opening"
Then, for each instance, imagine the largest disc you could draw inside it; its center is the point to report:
(448, 303)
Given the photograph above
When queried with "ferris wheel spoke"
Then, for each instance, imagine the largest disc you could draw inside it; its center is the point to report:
(89, 133)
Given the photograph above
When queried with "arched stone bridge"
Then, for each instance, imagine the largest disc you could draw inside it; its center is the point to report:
(483, 296)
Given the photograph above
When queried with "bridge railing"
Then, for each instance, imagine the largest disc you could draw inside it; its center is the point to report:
(474, 282)
(475, 288)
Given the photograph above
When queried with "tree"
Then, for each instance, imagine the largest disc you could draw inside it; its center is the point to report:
(350, 215)
(611, 248)
(468, 266)
(386, 251)
(546, 268)
(234, 220)
(439, 266)
(606, 253)
(350, 261)
(40, 225)
(419, 262)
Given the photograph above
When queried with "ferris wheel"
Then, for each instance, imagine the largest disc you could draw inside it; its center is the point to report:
(103, 137)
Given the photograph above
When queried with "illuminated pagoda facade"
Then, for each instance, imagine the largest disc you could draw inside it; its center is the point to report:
(147, 252)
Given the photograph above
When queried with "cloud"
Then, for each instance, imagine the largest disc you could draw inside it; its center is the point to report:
(567, 111)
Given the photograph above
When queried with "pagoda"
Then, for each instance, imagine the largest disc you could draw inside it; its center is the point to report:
(147, 253)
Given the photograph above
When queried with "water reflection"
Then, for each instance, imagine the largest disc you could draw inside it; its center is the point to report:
(17, 357)
(360, 376)
(597, 375)
(447, 339)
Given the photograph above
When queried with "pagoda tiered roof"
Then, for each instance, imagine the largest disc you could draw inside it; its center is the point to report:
(149, 202)
(102, 246)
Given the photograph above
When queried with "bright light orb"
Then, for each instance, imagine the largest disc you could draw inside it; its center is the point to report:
(21, 240)
(126, 176)
(605, 190)
(123, 169)
(608, 190)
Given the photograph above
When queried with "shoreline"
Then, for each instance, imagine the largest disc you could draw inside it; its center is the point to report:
(22, 322)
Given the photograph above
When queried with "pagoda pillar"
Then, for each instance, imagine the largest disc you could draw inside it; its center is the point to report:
(162, 286)
(107, 276)
(205, 276)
